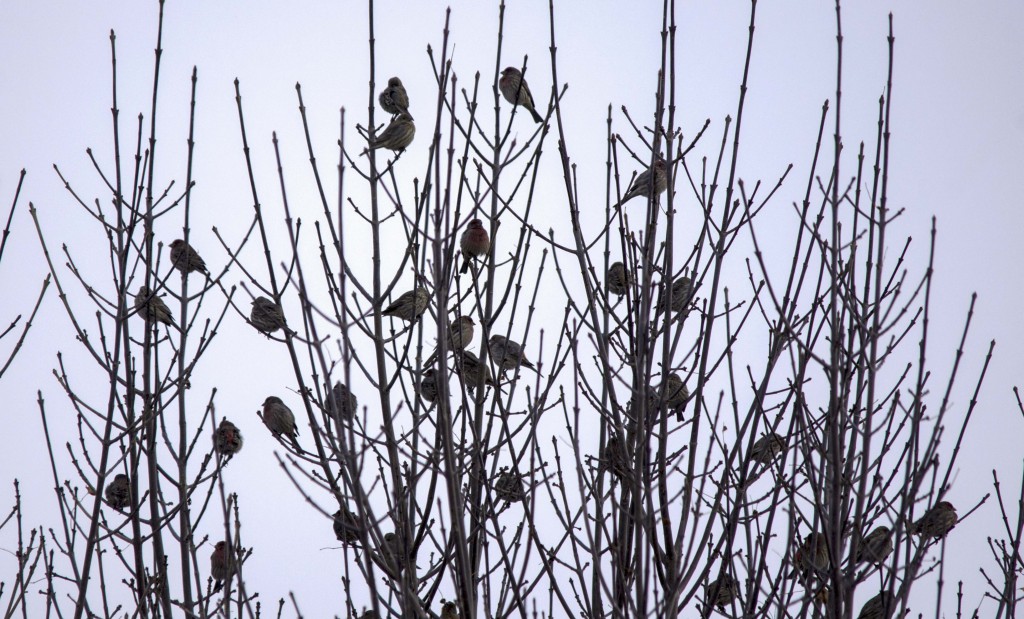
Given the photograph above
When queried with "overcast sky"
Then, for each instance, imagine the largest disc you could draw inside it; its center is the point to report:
(958, 144)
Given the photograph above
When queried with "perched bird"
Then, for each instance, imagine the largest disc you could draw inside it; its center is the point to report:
(474, 243)
(391, 550)
(409, 306)
(369, 614)
(617, 279)
(346, 526)
(722, 591)
(767, 448)
(682, 289)
(394, 99)
(812, 555)
(877, 607)
(152, 307)
(186, 259)
(936, 522)
(222, 563)
(615, 458)
(342, 403)
(515, 90)
(641, 185)
(460, 333)
(266, 315)
(449, 610)
(471, 369)
(428, 385)
(279, 419)
(674, 391)
(119, 492)
(508, 354)
(398, 135)
(227, 440)
(875, 546)
(508, 486)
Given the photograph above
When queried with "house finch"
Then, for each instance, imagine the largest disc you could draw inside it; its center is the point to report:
(474, 243)
(674, 391)
(470, 367)
(227, 440)
(877, 607)
(428, 385)
(615, 458)
(266, 315)
(394, 99)
(449, 610)
(396, 136)
(460, 333)
(875, 546)
(391, 550)
(119, 492)
(617, 279)
(409, 306)
(346, 526)
(342, 403)
(152, 307)
(222, 563)
(641, 185)
(767, 448)
(936, 522)
(515, 90)
(682, 288)
(508, 354)
(722, 591)
(508, 486)
(812, 555)
(279, 419)
(185, 259)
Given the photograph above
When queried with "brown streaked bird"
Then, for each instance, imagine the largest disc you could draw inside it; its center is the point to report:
(517, 92)
(391, 550)
(280, 420)
(409, 306)
(152, 307)
(722, 591)
(398, 135)
(342, 403)
(119, 492)
(186, 259)
(508, 486)
(449, 610)
(641, 185)
(682, 290)
(460, 333)
(617, 279)
(615, 458)
(266, 315)
(227, 439)
(508, 354)
(346, 526)
(471, 369)
(674, 391)
(937, 521)
(812, 555)
(222, 563)
(428, 385)
(767, 448)
(875, 546)
(394, 99)
(475, 243)
(877, 607)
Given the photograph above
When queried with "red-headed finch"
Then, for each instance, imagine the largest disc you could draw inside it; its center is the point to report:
(642, 184)
(119, 492)
(186, 259)
(409, 306)
(475, 243)
(152, 307)
(266, 315)
(617, 279)
(222, 563)
(394, 99)
(396, 136)
(937, 521)
(280, 420)
(508, 355)
(875, 546)
(722, 591)
(516, 91)
(227, 439)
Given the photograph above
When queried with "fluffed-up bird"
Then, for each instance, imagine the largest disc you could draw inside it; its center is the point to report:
(152, 307)
(471, 369)
(682, 289)
(617, 279)
(391, 550)
(342, 403)
(460, 333)
(409, 306)
(186, 259)
(722, 591)
(266, 315)
(508, 486)
(517, 92)
(227, 439)
(222, 563)
(428, 385)
(875, 546)
(877, 607)
(280, 420)
(674, 391)
(449, 610)
(767, 448)
(119, 492)
(812, 555)
(475, 243)
(654, 178)
(508, 355)
(937, 521)
(398, 135)
(347, 527)
(394, 99)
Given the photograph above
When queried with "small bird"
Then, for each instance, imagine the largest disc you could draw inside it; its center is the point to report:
(812, 555)
(682, 289)
(279, 419)
(398, 135)
(474, 243)
(186, 259)
(346, 526)
(394, 99)
(409, 306)
(875, 546)
(674, 391)
(937, 521)
(391, 550)
(152, 307)
(615, 458)
(508, 486)
(227, 439)
(449, 610)
(428, 385)
(877, 607)
(119, 492)
(767, 448)
(266, 315)
(342, 403)
(460, 333)
(617, 279)
(515, 90)
(508, 354)
(641, 185)
(471, 369)
(222, 563)
(722, 591)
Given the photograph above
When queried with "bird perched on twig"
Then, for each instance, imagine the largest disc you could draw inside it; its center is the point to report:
(227, 439)
(346, 526)
(617, 279)
(394, 99)
(342, 403)
(449, 610)
(471, 369)
(186, 259)
(767, 448)
(508, 354)
(266, 315)
(516, 91)
(279, 419)
(647, 183)
(936, 522)
(875, 546)
(812, 555)
(680, 294)
(722, 591)
(119, 492)
(674, 391)
(475, 243)
(222, 563)
(508, 486)
(409, 306)
(152, 307)
(397, 136)
(459, 334)
(428, 385)
(877, 607)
